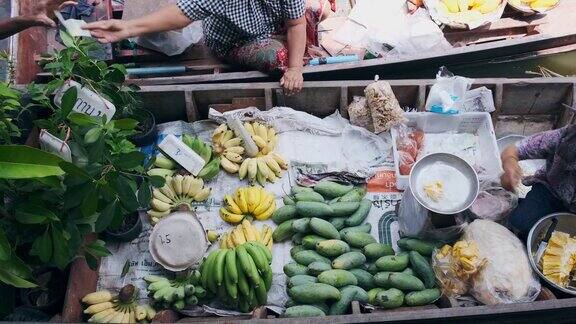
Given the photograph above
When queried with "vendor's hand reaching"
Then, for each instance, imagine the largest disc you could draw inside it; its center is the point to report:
(108, 31)
(292, 80)
(43, 11)
(512, 174)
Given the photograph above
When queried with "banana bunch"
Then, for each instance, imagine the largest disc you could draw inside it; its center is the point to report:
(537, 5)
(164, 167)
(263, 168)
(212, 167)
(464, 6)
(240, 277)
(248, 202)
(264, 136)
(177, 293)
(246, 232)
(106, 307)
(229, 147)
(178, 190)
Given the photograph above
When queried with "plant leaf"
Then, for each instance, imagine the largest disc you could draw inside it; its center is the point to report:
(42, 247)
(106, 216)
(126, 123)
(61, 253)
(129, 161)
(5, 249)
(24, 162)
(97, 248)
(157, 181)
(92, 135)
(90, 202)
(14, 280)
(72, 170)
(68, 101)
(91, 261)
(33, 214)
(67, 39)
(83, 119)
(126, 194)
(144, 195)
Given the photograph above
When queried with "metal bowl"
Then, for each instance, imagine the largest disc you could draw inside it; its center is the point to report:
(566, 224)
(453, 161)
(528, 11)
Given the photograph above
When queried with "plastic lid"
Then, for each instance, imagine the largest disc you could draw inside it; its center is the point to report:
(178, 241)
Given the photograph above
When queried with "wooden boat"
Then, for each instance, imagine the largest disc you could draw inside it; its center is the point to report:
(523, 106)
(513, 37)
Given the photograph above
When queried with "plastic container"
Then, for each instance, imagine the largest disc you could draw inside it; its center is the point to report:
(178, 241)
(478, 123)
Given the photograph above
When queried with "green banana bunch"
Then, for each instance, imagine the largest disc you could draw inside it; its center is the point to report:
(240, 277)
(198, 146)
(176, 293)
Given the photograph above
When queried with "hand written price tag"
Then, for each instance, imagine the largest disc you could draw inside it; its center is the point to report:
(88, 101)
(182, 154)
(53, 144)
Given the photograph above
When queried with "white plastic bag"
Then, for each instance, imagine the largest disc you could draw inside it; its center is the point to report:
(507, 276)
(493, 202)
(448, 93)
(479, 99)
(173, 42)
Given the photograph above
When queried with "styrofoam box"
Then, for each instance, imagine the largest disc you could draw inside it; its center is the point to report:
(478, 123)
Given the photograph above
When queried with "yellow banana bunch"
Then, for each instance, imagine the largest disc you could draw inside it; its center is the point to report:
(246, 232)
(178, 190)
(476, 6)
(104, 307)
(229, 147)
(264, 136)
(263, 168)
(538, 5)
(251, 201)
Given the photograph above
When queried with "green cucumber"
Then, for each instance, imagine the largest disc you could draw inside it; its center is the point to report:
(331, 189)
(349, 260)
(313, 209)
(360, 214)
(284, 213)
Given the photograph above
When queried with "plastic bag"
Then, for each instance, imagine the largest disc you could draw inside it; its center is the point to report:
(359, 113)
(414, 221)
(448, 93)
(384, 107)
(493, 202)
(173, 42)
(507, 276)
(421, 35)
(409, 143)
(479, 99)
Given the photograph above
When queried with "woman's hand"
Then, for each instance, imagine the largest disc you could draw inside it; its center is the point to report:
(512, 174)
(43, 11)
(109, 31)
(292, 80)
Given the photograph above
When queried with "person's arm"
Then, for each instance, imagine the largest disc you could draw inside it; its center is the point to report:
(40, 16)
(168, 18)
(512, 171)
(292, 80)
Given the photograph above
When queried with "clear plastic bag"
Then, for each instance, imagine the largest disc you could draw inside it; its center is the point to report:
(173, 42)
(414, 221)
(480, 100)
(409, 143)
(493, 202)
(384, 107)
(506, 276)
(448, 93)
(359, 113)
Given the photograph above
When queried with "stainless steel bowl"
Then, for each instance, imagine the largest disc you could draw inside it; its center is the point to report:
(455, 162)
(566, 224)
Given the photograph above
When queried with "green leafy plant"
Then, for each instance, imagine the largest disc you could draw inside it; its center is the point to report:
(47, 205)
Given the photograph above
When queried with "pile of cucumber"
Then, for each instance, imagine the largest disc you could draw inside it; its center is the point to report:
(337, 261)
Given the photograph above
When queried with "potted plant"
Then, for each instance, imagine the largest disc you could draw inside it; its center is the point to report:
(48, 296)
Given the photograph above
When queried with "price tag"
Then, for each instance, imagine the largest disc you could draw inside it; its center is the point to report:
(54, 145)
(182, 154)
(88, 101)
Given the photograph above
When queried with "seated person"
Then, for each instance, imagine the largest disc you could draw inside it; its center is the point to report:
(554, 187)
(267, 35)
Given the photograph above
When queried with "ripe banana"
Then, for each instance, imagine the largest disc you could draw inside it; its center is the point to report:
(229, 166)
(178, 190)
(245, 232)
(247, 201)
(107, 308)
